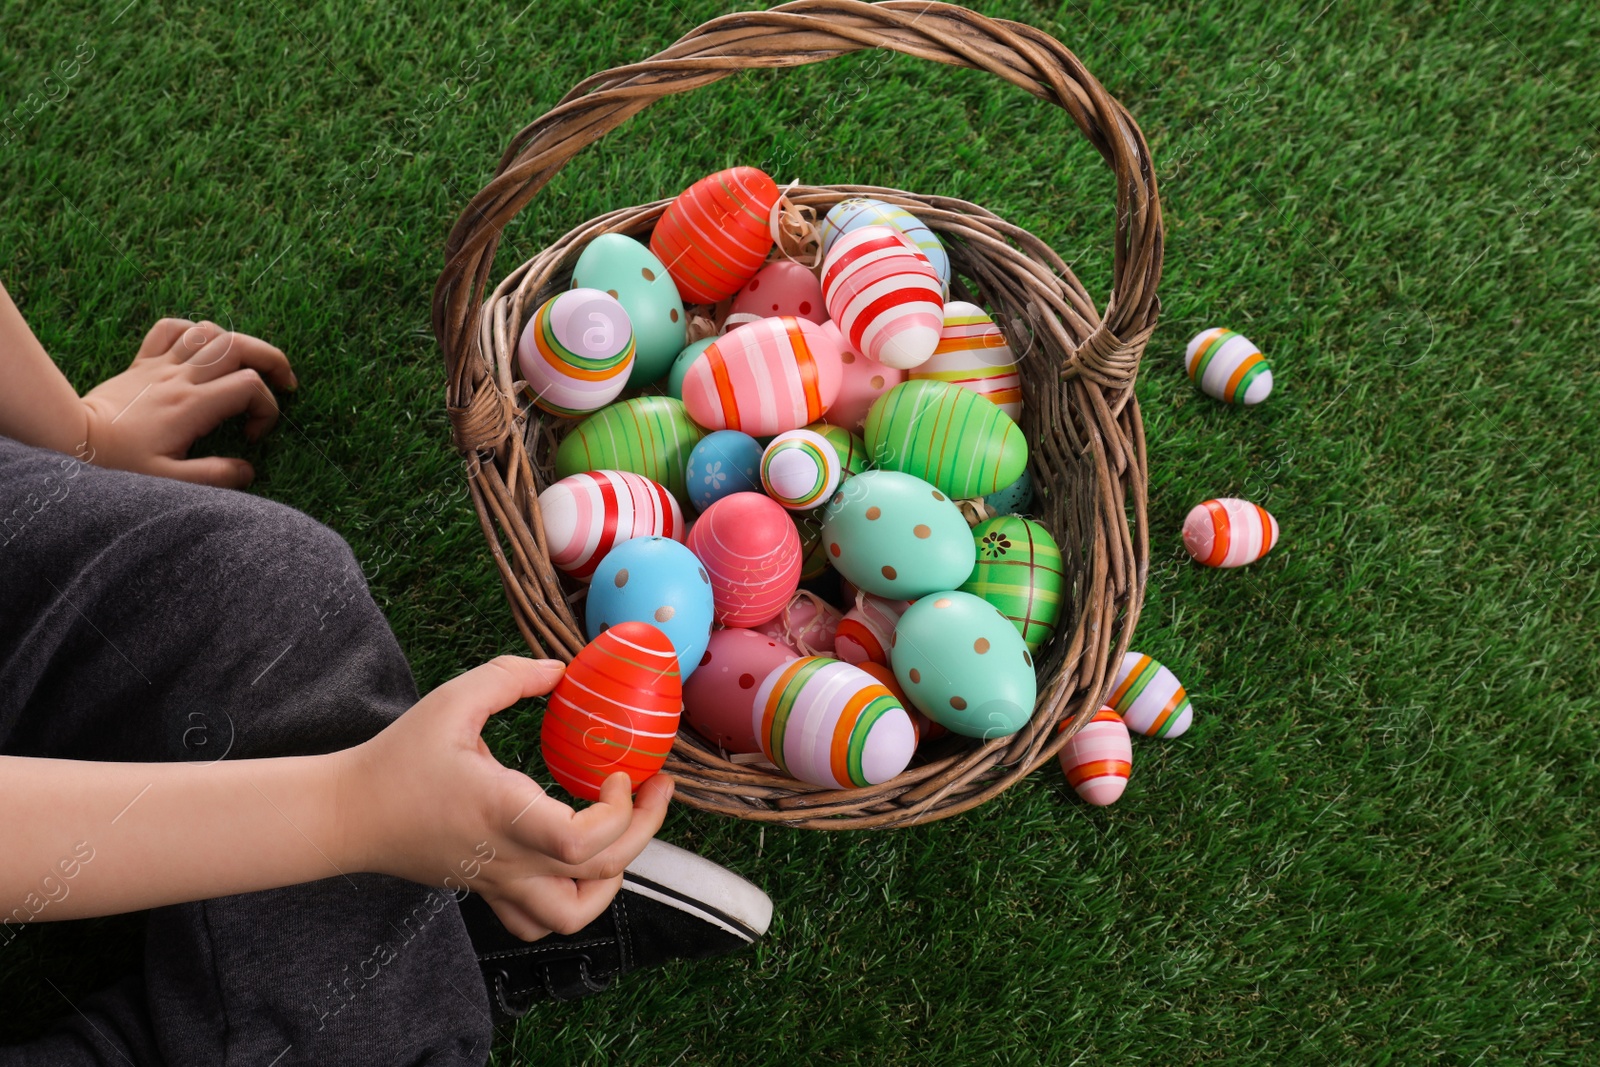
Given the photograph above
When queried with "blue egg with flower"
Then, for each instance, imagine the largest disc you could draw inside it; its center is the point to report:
(723, 463)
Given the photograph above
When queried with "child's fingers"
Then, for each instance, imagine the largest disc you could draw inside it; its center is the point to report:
(494, 686)
(515, 918)
(649, 811)
(221, 471)
(564, 905)
(241, 391)
(576, 838)
(191, 340)
(160, 338)
(228, 352)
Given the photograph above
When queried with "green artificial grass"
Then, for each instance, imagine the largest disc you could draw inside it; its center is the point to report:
(1376, 844)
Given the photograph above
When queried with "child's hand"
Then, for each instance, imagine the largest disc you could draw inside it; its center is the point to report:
(186, 379)
(425, 800)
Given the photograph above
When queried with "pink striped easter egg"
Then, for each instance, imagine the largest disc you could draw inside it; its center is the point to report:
(587, 515)
(765, 377)
(1099, 758)
(885, 296)
(751, 552)
(1228, 532)
(576, 352)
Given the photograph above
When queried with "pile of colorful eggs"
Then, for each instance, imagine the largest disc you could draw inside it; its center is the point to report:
(827, 607)
(824, 436)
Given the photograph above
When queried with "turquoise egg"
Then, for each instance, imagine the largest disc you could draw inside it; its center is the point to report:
(1013, 499)
(629, 271)
(680, 366)
(896, 536)
(964, 664)
(658, 581)
(724, 462)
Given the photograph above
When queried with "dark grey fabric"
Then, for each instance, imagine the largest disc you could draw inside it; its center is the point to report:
(143, 619)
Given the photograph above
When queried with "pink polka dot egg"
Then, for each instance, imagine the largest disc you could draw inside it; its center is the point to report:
(719, 696)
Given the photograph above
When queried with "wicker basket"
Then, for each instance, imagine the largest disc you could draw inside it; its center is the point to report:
(1080, 416)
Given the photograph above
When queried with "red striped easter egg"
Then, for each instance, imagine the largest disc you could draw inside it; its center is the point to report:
(751, 552)
(885, 296)
(615, 709)
(1099, 758)
(765, 377)
(716, 234)
(1228, 532)
(587, 515)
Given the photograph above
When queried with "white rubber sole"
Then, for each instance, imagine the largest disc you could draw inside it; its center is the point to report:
(693, 884)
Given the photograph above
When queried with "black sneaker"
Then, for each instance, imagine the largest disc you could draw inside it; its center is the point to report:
(673, 905)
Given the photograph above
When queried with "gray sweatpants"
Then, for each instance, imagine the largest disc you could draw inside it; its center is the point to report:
(143, 619)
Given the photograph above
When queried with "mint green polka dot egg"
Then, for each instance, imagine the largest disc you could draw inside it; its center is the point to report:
(896, 536)
(964, 664)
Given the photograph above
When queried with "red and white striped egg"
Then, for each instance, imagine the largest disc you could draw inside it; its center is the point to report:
(714, 237)
(885, 296)
(864, 632)
(751, 552)
(1099, 758)
(1228, 532)
(973, 354)
(615, 709)
(764, 377)
(587, 515)
(831, 724)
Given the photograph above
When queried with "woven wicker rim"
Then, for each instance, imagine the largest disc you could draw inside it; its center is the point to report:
(1078, 367)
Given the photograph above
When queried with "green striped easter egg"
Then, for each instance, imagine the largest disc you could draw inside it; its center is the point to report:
(648, 435)
(949, 436)
(1019, 571)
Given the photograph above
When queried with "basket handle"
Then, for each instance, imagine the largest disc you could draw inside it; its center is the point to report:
(794, 34)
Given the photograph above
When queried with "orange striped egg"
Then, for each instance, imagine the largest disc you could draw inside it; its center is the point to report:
(1228, 367)
(973, 354)
(1150, 698)
(576, 352)
(615, 709)
(765, 377)
(1099, 758)
(717, 233)
(885, 296)
(587, 515)
(831, 724)
(1228, 532)
(864, 632)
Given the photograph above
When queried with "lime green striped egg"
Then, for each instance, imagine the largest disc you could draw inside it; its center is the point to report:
(648, 435)
(945, 435)
(1019, 571)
